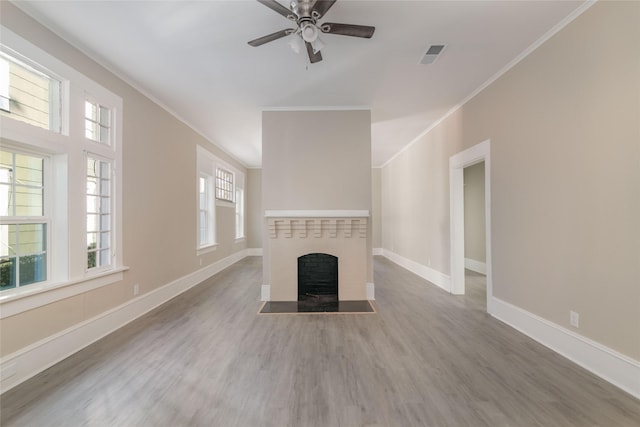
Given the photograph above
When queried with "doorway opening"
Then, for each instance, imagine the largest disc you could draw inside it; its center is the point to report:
(457, 163)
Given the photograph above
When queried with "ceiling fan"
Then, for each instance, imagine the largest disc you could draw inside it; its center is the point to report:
(306, 14)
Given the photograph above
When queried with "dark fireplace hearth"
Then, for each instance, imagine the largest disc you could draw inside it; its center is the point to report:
(318, 281)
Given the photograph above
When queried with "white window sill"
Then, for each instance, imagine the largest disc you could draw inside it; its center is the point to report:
(206, 249)
(240, 239)
(18, 300)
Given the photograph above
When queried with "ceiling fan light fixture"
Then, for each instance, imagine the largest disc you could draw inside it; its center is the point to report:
(317, 44)
(296, 43)
(309, 32)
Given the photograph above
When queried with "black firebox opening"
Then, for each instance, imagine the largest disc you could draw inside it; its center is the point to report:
(318, 281)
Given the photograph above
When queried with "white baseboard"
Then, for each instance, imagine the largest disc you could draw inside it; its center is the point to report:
(434, 276)
(377, 251)
(265, 294)
(616, 368)
(254, 251)
(477, 266)
(27, 362)
(371, 291)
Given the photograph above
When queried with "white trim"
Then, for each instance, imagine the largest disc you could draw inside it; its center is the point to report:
(476, 154)
(35, 358)
(608, 364)
(371, 291)
(434, 276)
(265, 293)
(378, 251)
(319, 108)
(315, 213)
(546, 36)
(477, 266)
(254, 251)
(18, 300)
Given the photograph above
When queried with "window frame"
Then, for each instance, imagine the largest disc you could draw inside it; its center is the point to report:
(66, 240)
(240, 214)
(102, 267)
(225, 184)
(205, 168)
(32, 219)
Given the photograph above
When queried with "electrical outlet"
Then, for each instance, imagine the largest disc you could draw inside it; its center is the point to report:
(136, 289)
(574, 319)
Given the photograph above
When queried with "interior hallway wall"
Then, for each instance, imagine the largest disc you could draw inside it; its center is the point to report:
(565, 179)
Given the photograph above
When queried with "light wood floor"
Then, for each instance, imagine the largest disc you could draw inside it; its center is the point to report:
(425, 358)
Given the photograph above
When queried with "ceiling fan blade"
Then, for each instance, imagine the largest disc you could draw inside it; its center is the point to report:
(364, 31)
(277, 7)
(322, 6)
(271, 37)
(313, 57)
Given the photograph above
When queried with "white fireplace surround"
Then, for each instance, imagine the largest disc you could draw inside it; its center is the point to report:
(294, 233)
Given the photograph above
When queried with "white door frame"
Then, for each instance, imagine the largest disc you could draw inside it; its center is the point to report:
(457, 163)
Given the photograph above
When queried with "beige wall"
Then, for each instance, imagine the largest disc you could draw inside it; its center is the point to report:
(376, 207)
(317, 160)
(565, 179)
(159, 200)
(474, 216)
(255, 215)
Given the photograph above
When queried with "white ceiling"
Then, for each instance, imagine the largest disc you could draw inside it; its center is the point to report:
(193, 58)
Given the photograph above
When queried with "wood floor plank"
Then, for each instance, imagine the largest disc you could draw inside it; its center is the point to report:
(426, 358)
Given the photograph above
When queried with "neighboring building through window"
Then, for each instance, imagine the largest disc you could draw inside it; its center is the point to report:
(23, 229)
(4, 85)
(28, 94)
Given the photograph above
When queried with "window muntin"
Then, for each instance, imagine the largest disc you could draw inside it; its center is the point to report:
(224, 185)
(97, 122)
(98, 199)
(29, 95)
(23, 227)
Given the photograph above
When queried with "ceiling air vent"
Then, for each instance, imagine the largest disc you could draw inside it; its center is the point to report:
(432, 54)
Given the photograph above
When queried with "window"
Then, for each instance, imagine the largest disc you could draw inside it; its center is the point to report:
(206, 220)
(224, 185)
(60, 191)
(239, 213)
(23, 229)
(206, 224)
(98, 213)
(97, 119)
(29, 94)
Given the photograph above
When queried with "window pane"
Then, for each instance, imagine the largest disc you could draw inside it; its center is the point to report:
(23, 254)
(28, 201)
(98, 213)
(97, 122)
(104, 117)
(21, 185)
(7, 272)
(28, 170)
(33, 97)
